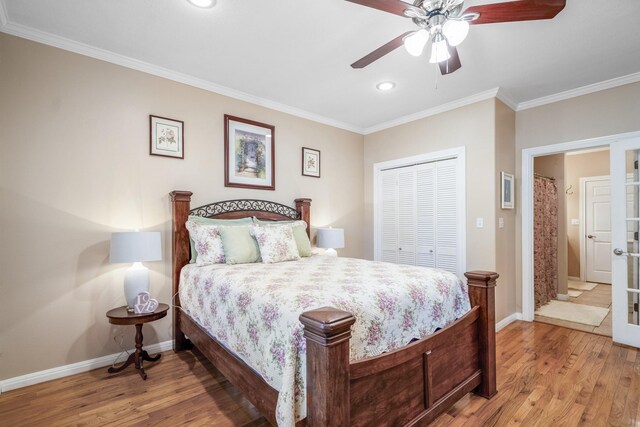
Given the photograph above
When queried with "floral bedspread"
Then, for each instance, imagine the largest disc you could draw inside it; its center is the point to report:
(253, 310)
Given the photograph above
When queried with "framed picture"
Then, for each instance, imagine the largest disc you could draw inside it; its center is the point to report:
(167, 137)
(249, 154)
(310, 162)
(508, 190)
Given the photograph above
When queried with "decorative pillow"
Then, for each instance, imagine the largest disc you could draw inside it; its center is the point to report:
(276, 243)
(207, 243)
(240, 247)
(213, 221)
(299, 229)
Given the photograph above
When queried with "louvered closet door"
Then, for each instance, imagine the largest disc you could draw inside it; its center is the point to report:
(425, 215)
(407, 216)
(389, 215)
(447, 215)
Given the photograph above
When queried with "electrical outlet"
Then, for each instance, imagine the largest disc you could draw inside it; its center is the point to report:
(500, 222)
(479, 222)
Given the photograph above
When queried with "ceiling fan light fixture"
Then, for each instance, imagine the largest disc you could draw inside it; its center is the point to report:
(439, 49)
(455, 31)
(203, 3)
(415, 43)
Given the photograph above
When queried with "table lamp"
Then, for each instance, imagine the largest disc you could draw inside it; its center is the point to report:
(136, 247)
(331, 239)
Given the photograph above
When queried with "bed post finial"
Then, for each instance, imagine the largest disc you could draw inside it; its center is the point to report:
(303, 206)
(482, 285)
(327, 331)
(180, 206)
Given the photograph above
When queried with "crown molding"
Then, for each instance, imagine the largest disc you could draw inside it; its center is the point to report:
(488, 94)
(128, 62)
(506, 99)
(584, 90)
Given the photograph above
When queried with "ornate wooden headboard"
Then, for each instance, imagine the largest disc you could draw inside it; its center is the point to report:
(228, 209)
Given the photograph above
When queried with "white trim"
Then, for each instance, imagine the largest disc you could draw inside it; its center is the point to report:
(574, 278)
(74, 368)
(583, 90)
(593, 150)
(507, 321)
(503, 96)
(528, 155)
(439, 109)
(562, 297)
(453, 153)
(128, 62)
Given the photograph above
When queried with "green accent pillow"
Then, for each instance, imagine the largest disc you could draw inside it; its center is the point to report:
(299, 229)
(240, 247)
(212, 221)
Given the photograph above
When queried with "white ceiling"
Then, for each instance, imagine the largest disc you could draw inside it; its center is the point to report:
(294, 55)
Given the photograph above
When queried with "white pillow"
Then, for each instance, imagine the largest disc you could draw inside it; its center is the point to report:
(276, 243)
(207, 243)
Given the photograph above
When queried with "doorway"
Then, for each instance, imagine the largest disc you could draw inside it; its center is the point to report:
(571, 203)
(624, 280)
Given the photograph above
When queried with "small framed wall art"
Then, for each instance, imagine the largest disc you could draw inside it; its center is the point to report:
(310, 162)
(167, 137)
(508, 195)
(249, 154)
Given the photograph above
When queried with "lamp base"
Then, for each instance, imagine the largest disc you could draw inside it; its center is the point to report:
(136, 280)
(331, 252)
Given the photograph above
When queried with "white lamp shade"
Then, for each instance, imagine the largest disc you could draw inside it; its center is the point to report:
(415, 43)
(330, 238)
(439, 50)
(135, 246)
(455, 31)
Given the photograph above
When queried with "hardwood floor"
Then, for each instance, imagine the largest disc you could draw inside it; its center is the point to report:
(547, 376)
(600, 296)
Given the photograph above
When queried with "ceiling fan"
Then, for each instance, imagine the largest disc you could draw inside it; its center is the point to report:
(446, 25)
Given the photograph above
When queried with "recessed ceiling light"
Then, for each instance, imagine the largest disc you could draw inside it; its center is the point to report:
(385, 86)
(203, 3)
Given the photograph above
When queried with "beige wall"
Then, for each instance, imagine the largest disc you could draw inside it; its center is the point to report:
(505, 123)
(577, 166)
(474, 127)
(553, 167)
(74, 167)
(603, 113)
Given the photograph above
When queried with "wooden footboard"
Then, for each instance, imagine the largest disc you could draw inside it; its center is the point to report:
(409, 386)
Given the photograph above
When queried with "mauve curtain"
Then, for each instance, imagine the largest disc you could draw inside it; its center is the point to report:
(545, 250)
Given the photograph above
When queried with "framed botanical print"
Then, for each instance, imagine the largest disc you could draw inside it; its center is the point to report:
(310, 162)
(249, 154)
(166, 136)
(508, 196)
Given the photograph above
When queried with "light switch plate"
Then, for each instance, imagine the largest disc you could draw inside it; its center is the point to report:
(575, 221)
(500, 222)
(479, 222)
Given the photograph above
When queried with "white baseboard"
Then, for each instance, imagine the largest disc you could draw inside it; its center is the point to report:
(74, 368)
(562, 297)
(507, 321)
(575, 279)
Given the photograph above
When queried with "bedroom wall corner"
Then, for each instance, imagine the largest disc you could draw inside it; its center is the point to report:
(505, 152)
(75, 166)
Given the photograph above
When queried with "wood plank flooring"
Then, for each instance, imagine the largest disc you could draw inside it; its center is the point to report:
(547, 376)
(600, 296)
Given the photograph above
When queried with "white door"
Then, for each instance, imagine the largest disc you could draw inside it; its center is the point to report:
(598, 229)
(624, 238)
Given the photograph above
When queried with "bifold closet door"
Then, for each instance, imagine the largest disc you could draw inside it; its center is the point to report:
(419, 215)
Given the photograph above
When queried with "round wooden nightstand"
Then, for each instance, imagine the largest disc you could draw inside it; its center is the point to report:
(121, 316)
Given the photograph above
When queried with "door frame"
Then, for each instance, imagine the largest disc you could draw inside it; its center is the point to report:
(457, 153)
(528, 155)
(583, 216)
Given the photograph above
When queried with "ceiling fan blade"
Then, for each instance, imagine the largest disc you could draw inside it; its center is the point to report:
(396, 7)
(381, 51)
(523, 10)
(452, 64)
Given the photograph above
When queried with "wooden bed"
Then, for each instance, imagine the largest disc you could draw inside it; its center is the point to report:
(406, 387)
